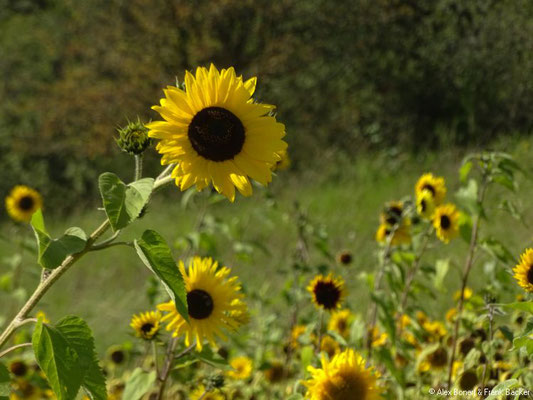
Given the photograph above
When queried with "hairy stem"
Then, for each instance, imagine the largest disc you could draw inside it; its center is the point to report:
(138, 167)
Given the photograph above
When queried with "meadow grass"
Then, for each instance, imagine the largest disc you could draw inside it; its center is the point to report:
(341, 197)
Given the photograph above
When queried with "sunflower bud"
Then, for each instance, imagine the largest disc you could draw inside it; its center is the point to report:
(133, 138)
(215, 381)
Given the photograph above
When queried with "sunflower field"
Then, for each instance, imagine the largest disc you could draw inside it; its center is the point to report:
(220, 252)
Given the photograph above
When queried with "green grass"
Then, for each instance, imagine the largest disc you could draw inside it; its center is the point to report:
(341, 197)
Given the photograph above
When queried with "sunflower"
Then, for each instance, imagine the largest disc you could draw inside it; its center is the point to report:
(22, 202)
(201, 393)
(275, 373)
(392, 213)
(146, 325)
(329, 346)
(296, 332)
(402, 234)
(345, 257)
(215, 132)
(438, 358)
(378, 338)
(434, 184)
(468, 380)
(425, 205)
(25, 390)
(284, 163)
(242, 368)
(18, 368)
(327, 291)
(345, 377)
(466, 296)
(340, 322)
(523, 272)
(211, 300)
(446, 222)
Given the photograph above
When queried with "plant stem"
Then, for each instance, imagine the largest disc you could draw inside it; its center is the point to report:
(18, 346)
(165, 372)
(138, 167)
(466, 272)
(320, 322)
(377, 286)
(43, 287)
(487, 364)
(154, 350)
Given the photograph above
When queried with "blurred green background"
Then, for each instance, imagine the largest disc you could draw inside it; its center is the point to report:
(347, 76)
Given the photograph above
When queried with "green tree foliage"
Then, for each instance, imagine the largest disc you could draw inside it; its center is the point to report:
(345, 75)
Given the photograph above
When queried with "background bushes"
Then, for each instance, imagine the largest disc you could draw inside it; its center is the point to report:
(346, 76)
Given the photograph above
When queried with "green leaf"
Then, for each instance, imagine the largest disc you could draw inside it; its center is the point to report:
(465, 170)
(465, 227)
(441, 268)
(123, 203)
(58, 360)
(207, 356)
(306, 356)
(526, 306)
(138, 384)
(4, 381)
(52, 252)
(501, 388)
(467, 197)
(79, 335)
(498, 250)
(156, 255)
(67, 356)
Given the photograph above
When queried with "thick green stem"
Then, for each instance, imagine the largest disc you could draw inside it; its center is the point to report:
(138, 167)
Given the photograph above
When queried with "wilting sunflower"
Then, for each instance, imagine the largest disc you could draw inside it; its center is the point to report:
(22, 202)
(446, 222)
(523, 272)
(146, 325)
(345, 377)
(401, 235)
(425, 205)
(434, 184)
(340, 322)
(215, 132)
(242, 368)
(211, 301)
(327, 291)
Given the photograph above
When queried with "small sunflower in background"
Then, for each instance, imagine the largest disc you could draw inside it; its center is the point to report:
(22, 202)
(345, 257)
(401, 235)
(340, 322)
(211, 296)
(466, 296)
(425, 204)
(296, 332)
(342, 377)
(438, 359)
(200, 393)
(329, 346)
(146, 325)
(327, 291)
(433, 184)
(215, 133)
(446, 222)
(242, 368)
(19, 368)
(378, 338)
(523, 271)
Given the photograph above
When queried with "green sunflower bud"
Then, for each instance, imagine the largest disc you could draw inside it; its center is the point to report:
(133, 138)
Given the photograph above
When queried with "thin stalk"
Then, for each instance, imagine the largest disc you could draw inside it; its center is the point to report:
(154, 351)
(167, 365)
(320, 322)
(13, 348)
(138, 167)
(488, 362)
(377, 286)
(466, 272)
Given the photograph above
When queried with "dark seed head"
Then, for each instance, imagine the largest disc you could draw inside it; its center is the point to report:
(26, 203)
(345, 258)
(468, 380)
(18, 368)
(200, 304)
(530, 275)
(466, 345)
(118, 356)
(216, 134)
(429, 187)
(438, 358)
(327, 294)
(147, 327)
(445, 222)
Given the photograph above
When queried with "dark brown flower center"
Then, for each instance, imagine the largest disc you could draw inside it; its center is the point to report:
(429, 187)
(423, 205)
(327, 294)
(117, 356)
(216, 134)
(468, 380)
(26, 203)
(18, 368)
(530, 275)
(200, 304)
(147, 327)
(438, 358)
(346, 386)
(445, 222)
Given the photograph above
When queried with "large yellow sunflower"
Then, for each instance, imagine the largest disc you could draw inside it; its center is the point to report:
(211, 300)
(327, 291)
(434, 184)
(215, 132)
(523, 272)
(22, 202)
(345, 377)
(446, 222)
(146, 325)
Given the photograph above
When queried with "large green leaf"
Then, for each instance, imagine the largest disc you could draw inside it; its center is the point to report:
(156, 255)
(123, 203)
(52, 252)
(526, 306)
(79, 335)
(138, 384)
(58, 360)
(4, 382)
(67, 356)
